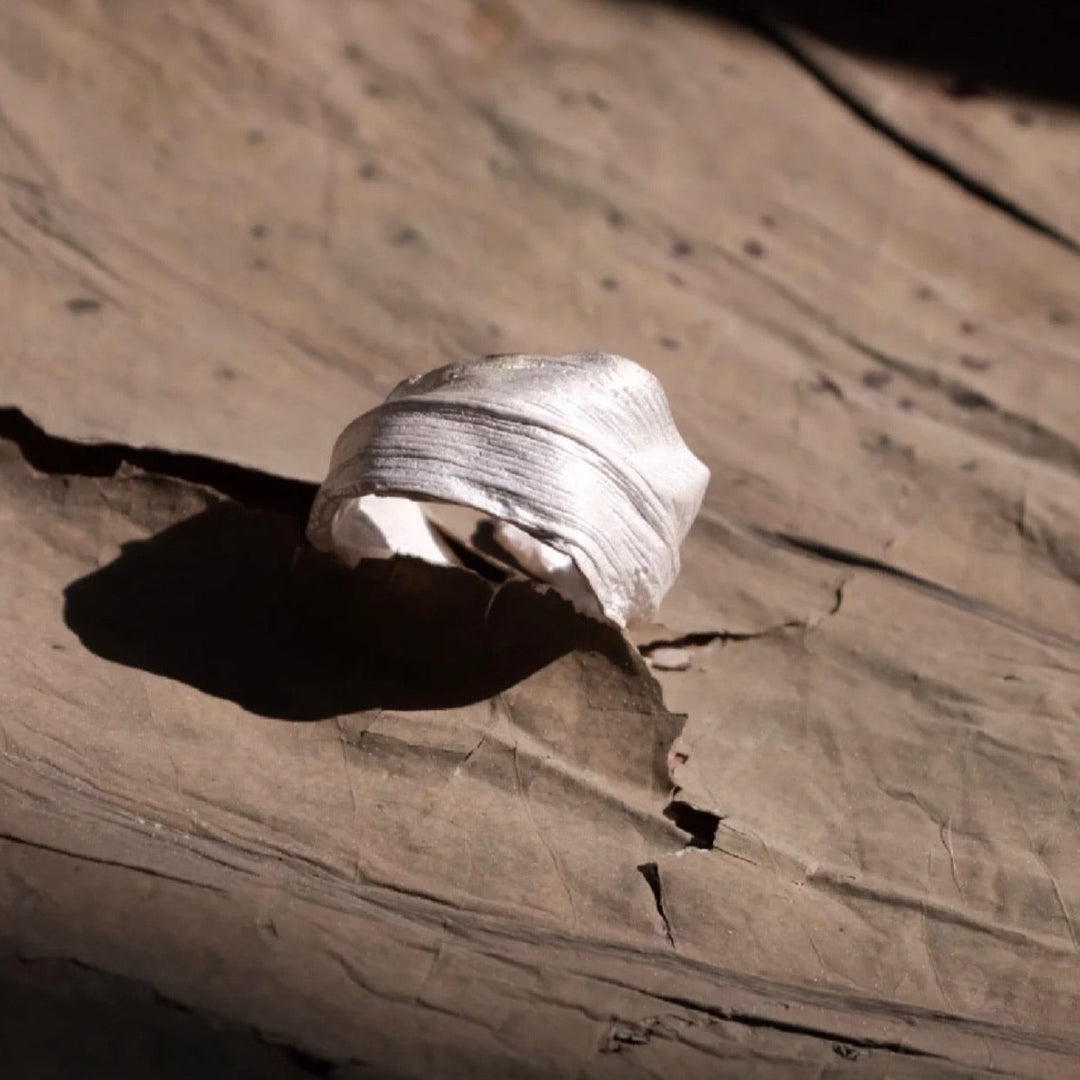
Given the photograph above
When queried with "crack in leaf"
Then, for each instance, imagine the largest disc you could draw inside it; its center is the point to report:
(58, 456)
(650, 871)
(20, 841)
(773, 31)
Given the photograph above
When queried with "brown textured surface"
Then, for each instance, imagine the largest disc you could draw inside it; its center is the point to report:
(397, 832)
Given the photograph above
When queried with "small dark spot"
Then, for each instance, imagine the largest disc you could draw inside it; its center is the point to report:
(681, 248)
(845, 1051)
(376, 90)
(975, 363)
(924, 292)
(225, 373)
(1022, 118)
(876, 379)
(259, 262)
(906, 404)
(1011, 678)
(567, 96)
(767, 221)
(597, 101)
(494, 329)
(368, 171)
(754, 248)
(676, 280)
(609, 283)
(351, 52)
(1061, 317)
(966, 398)
(882, 444)
(405, 236)
(968, 327)
(255, 137)
(57, 646)
(970, 466)
(259, 231)
(83, 305)
(668, 342)
(963, 86)
(824, 385)
(616, 218)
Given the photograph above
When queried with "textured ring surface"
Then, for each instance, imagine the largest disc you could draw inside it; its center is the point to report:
(578, 451)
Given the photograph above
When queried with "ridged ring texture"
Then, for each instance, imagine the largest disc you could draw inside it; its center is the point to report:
(580, 451)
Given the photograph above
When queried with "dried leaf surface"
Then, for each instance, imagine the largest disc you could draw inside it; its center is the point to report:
(402, 828)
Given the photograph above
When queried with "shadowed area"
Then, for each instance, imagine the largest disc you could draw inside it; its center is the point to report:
(231, 602)
(59, 1018)
(1028, 49)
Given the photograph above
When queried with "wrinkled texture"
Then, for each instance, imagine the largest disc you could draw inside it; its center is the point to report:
(579, 451)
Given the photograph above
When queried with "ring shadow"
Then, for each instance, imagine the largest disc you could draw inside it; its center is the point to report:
(232, 602)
